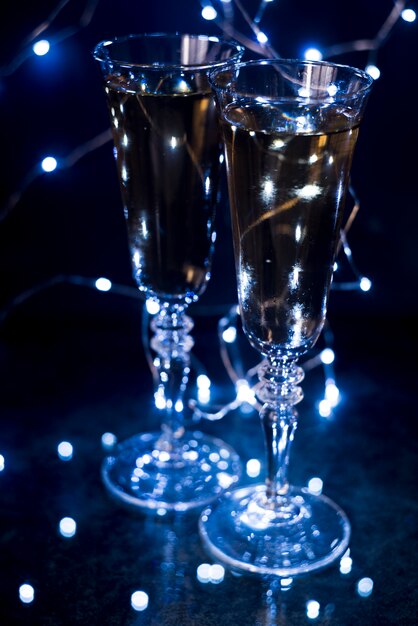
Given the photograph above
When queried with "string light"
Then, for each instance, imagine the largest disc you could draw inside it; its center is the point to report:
(139, 600)
(259, 42)
(26, 593)
(373, 71)
(409, 15)
(49, 164)
(209, 12)
(312, 54)
(41, 47)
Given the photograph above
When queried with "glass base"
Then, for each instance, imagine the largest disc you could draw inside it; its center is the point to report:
(141, 473)
(305, 533)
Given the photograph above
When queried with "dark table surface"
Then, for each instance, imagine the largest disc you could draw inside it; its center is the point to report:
(72, 367)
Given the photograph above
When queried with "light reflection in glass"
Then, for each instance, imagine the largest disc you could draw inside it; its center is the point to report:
(268, 189)
(307, 192)
(65, 451)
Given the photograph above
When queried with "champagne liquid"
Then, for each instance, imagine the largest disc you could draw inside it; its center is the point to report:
(286, 195)
(167, 150)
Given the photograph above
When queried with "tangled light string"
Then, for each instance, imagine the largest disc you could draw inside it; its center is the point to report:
(257, 41)
(260, 44)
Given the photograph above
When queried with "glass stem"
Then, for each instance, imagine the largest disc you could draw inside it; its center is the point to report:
(279, 391)
(172, 343)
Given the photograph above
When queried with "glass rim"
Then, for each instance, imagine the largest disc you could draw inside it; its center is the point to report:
(363, 90)
(99, 52)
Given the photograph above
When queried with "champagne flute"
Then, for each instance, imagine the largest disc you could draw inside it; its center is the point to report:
(290, 128)
(168, 153)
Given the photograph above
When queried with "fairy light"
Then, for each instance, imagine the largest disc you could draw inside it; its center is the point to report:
(49, 164)
(409, 15)
(26, 593)
(373, 71)
(65, 451)
(365, 587)
(209, 12)
(312, 54)
(103, 284)
(139, 600)
(312, 609)
(67, 527)
(259, 42)
(262, 37)
(152, 306)
(41, 47)
(365, 283)
(327, 356)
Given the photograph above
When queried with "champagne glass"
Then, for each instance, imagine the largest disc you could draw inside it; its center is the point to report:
(289, 128)
(168, 153)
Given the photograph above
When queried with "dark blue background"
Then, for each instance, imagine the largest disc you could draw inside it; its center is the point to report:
(72, 365)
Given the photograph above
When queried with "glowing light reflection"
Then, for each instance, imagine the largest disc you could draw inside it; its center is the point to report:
(2, 462)
(308, 192)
